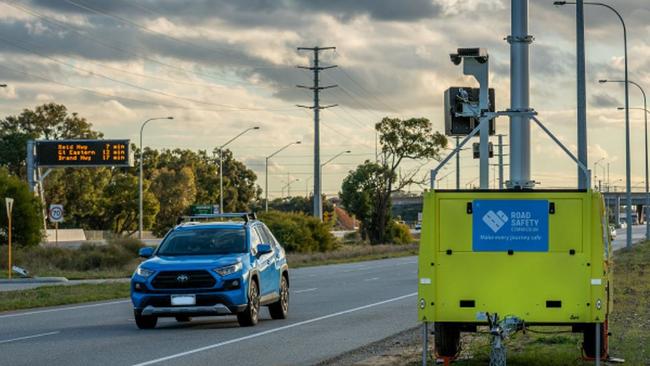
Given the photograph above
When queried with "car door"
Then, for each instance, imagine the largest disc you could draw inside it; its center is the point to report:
(264, 263)
(276, 261)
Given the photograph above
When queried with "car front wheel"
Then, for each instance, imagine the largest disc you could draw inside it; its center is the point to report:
(145, 322)
(280, 309)
(249, 316)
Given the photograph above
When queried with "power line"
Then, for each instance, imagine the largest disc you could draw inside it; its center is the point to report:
(55, 22)
(149, 90)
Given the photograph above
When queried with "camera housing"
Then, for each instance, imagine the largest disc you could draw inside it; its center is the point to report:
(455, 97)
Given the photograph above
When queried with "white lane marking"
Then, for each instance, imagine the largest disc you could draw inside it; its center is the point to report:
(371, 279)
(305, 290)
(62, 309)
(260, 334)
(29, 337)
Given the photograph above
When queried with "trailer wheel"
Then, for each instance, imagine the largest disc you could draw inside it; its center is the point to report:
(447, 339)
(589, 341)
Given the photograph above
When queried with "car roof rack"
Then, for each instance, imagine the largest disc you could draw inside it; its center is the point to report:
(246, 216)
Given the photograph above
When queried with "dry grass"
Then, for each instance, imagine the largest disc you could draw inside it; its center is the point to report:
(351, 253)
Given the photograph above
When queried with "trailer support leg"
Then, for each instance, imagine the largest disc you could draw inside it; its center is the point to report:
(597, 344)
(425, 343)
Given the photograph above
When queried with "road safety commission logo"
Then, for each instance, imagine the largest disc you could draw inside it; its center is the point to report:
(495, 220)
(510, 224)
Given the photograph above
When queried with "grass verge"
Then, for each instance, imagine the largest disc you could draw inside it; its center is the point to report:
(61, 295)
(351, 253)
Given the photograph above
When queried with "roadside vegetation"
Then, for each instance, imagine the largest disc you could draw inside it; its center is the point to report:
(61, 295)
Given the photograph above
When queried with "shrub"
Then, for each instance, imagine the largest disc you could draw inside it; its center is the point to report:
(27, 221)
(300, 233)
(399, 233)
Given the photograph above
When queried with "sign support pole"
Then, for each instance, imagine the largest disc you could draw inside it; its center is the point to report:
(10, 204)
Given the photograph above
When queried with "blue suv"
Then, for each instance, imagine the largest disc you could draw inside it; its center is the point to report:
(212, 268)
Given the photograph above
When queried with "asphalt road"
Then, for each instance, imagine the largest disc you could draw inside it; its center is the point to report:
(333, 309)
(638, 234)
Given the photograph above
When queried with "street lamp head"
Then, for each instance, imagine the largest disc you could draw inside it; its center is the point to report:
(170, 117)
(256, 128)
(298, 142)
(3, 85)
(602, 81)
(620, 108)
(347, 151)
(559, 3)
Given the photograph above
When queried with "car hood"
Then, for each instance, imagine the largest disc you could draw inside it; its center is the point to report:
(193, 261)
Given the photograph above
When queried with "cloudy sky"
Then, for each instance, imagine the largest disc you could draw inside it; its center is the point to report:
(221, 66)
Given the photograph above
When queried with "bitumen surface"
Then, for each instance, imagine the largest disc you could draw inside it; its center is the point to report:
(333, 309)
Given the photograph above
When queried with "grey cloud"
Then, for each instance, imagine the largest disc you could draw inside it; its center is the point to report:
(602, 100)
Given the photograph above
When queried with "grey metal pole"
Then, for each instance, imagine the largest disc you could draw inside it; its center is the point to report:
(266, 185)
(597, 344)
(318, 205)
(500, 161)
(425, 343)
(457, 164)
(221, 209)
(581, 89)
(519, 96)
(30, 166)
(140, 226)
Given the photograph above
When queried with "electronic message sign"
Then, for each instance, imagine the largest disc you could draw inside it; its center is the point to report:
(82, 153)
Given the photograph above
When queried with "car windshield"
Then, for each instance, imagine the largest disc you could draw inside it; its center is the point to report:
(204, 242)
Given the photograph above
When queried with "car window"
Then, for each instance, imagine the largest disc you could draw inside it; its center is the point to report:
(270, 239)
(201, 241)
(255, 240)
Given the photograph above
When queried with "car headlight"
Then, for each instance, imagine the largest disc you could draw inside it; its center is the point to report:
(143, 272)
(224, 271)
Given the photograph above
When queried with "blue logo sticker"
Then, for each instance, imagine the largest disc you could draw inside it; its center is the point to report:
(502, 225)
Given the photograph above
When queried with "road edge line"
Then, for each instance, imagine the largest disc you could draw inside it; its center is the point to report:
(274, 330)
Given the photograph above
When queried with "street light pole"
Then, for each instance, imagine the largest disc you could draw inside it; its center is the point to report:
(288, 186)
(221, 164)
(140, 180)
(647, 182)
(266, 174)
(628, 183)
(320, 174)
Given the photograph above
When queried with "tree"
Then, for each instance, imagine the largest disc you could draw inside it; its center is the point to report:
(48, 121)
(27, 220)
(297, 204)
(176, 191)
(367, 190)
(121, 206)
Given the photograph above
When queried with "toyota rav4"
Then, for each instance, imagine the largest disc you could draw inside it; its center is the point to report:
(212, 268)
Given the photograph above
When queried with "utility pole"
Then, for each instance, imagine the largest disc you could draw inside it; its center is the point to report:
(316, 107)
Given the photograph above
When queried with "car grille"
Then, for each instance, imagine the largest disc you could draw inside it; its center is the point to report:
(183, 279)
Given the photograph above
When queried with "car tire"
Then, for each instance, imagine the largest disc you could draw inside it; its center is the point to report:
(183, 319)
(145, 321)
(250, 315)
(280, 309)
(447, 340)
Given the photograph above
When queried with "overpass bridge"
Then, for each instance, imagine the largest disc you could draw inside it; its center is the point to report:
(407, 207)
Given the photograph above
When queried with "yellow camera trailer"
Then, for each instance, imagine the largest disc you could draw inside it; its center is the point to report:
(541, 256)
(511, 257)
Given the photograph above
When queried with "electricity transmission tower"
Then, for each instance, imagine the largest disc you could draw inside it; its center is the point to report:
(316, 107)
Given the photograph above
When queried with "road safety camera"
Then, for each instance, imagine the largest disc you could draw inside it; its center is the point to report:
(507, 258)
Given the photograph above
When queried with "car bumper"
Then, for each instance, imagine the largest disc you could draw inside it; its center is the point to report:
(215, 310)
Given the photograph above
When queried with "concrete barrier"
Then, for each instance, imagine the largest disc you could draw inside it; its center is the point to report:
(66, 235)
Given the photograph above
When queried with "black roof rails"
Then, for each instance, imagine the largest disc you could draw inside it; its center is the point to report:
(246, 216)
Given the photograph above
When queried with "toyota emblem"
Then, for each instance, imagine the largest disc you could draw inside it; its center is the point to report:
(182, 278)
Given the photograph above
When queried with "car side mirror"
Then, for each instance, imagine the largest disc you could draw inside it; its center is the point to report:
(264, 249)
(146, 252)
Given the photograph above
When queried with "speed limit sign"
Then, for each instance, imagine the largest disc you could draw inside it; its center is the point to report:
(56, 213)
